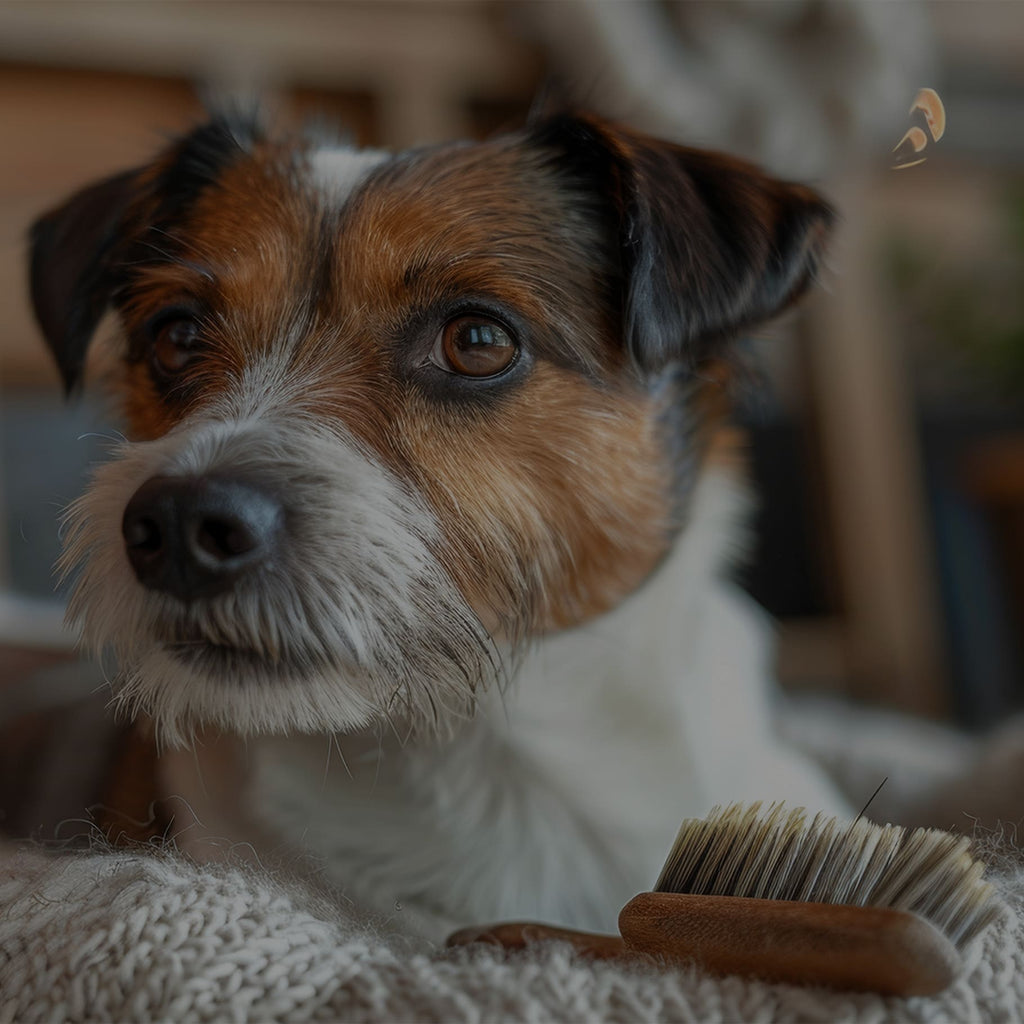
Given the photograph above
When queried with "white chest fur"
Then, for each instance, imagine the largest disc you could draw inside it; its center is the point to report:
(560, 800)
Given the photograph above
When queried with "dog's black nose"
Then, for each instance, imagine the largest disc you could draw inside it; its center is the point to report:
(194, 537)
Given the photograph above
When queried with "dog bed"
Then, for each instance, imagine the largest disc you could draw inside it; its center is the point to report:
(147, 935)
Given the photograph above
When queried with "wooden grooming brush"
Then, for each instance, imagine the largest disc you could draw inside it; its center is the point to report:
(760, 891)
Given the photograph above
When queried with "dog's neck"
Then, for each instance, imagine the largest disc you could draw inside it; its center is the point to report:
(563, 795)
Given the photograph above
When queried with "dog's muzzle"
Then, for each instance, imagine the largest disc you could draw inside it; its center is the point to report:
(267, 575)
(194, 537)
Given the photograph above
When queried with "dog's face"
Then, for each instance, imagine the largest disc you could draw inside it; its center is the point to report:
(394, 416)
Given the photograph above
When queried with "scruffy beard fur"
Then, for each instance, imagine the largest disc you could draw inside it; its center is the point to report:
(355, 622)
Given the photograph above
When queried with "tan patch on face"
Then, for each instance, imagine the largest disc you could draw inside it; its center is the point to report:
(553, 508)
(147, 414)
(241, 262)
(551, 492)
(490, 222)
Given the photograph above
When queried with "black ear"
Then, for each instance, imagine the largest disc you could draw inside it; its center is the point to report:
(81, 250)
(72, 268)
(709, 244)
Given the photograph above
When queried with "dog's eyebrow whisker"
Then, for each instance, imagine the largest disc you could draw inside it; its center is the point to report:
(156, 249)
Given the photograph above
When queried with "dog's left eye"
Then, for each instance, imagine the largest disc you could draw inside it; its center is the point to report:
(474, 346)
(175, 345)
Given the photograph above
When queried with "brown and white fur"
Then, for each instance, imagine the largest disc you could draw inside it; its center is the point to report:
(502, 600)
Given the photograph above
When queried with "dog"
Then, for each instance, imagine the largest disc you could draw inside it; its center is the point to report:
(417, 561)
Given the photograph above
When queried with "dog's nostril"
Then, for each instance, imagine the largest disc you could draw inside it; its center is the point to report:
(225, 539)
(142, 534)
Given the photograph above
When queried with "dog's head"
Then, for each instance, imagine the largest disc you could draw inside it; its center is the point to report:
(394, 416)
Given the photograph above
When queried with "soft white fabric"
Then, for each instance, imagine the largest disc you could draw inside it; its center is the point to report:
(137, 937)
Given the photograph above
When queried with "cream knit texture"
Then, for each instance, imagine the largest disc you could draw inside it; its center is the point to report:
(114, 936)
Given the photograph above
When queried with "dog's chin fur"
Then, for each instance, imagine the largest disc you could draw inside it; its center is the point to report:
(384, 635)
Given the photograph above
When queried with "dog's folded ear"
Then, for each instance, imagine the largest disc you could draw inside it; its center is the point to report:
(708, 244)
(81, 250)
(72, 267)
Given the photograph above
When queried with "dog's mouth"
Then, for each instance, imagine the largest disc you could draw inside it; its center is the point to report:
(225, 661)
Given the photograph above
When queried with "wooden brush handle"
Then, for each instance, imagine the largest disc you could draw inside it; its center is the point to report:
(872, 949)
(868, 948)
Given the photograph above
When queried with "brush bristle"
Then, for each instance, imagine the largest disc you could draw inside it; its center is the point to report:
(776, 853)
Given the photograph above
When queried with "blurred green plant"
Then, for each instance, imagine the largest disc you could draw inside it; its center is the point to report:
(966, 316)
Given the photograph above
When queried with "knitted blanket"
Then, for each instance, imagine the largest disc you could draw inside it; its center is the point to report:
(145, 937)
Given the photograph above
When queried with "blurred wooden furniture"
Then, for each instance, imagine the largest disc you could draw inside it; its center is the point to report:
(88, 88)
(861, 404)
(993, 473)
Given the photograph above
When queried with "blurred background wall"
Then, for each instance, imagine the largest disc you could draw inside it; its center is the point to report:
(887, 434)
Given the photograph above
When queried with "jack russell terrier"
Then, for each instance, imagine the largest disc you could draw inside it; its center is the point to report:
(429, 471)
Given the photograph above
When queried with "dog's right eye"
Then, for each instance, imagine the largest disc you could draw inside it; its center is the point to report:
(175, 345)
(475, 346)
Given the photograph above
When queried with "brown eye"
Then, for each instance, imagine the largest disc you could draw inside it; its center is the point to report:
(474, 346)
(175, 345)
